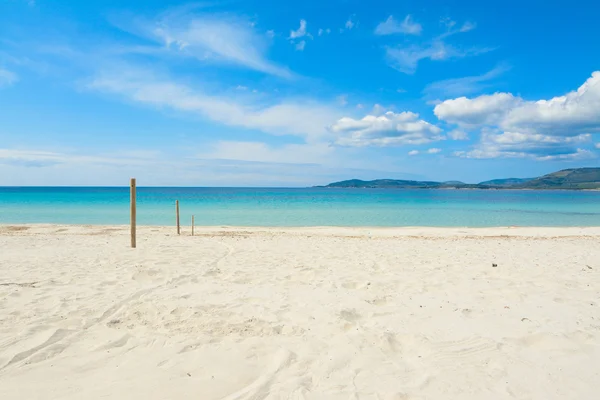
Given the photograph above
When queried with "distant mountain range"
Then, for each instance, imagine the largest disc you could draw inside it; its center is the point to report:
(574, 179)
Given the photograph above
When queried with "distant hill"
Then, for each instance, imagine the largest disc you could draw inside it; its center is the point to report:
(506, 182)
(383, 183)
(453, 183)
(577, 178)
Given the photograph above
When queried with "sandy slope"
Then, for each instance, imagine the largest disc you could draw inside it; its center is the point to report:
(313, 313)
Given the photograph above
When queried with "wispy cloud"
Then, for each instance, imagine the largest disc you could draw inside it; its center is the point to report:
(390, 26)
(433, 150)
(464, 86)
(221, 163)
(41, 158)
(216, 38)
(301, 45)
(350, 24)
(406, 58)
(7, 77)
(299, 117)
(466, 27)
(300, 32)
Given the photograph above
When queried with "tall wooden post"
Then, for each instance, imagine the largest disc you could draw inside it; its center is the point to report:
(133, 212)
(177, 213)
(192, 225)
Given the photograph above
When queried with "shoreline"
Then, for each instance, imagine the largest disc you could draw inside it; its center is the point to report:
(343, 231)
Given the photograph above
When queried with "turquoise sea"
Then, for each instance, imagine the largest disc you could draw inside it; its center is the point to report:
(300, 207)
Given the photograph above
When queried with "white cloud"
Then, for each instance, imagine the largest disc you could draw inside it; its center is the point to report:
(413, 152)
(556, 129)
(406, 59)
(458, 134)
(390, 26)
(301, 45)
(342, 100)
(577, 112)
(270, 33)
(463, 86)
(300, 32)
(7, 77)
(468, 26)
(400, 90)
(434, 150)
(210, 38)
(286, 117)
(482, 110)
(349, 24)
(322, 31)
(523, 145)
(597, 145)
(390, 129)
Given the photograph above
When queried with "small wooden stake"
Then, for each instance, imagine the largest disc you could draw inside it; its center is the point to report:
(177, 212)
(133, 212)
(192, 225)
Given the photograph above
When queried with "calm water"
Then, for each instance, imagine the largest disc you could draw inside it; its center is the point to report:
(302, 207)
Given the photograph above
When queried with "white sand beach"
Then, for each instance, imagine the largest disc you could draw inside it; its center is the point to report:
(304, 313)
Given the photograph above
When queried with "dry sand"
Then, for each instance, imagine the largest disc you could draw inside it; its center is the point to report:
(314, 313)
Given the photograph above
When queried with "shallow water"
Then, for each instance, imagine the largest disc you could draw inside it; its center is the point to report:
(301, 207)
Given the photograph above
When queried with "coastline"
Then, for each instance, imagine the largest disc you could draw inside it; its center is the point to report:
(366, 231)
(558, 189)
(299, 313)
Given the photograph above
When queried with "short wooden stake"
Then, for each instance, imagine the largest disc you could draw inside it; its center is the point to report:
(133, 212)
(177, 213)
(192, 225)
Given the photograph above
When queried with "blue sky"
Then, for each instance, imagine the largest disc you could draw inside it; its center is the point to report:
(271, 93)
